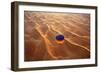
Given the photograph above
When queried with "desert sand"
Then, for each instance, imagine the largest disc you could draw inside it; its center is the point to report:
(41, 28)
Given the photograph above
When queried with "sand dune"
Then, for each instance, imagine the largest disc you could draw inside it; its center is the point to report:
(41, 28)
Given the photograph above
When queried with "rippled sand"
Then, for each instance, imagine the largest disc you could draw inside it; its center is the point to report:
(41, 28)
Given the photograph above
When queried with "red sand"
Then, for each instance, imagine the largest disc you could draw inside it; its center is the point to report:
(41, 29)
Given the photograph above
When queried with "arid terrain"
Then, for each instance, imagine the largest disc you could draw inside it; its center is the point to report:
(40, 31)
